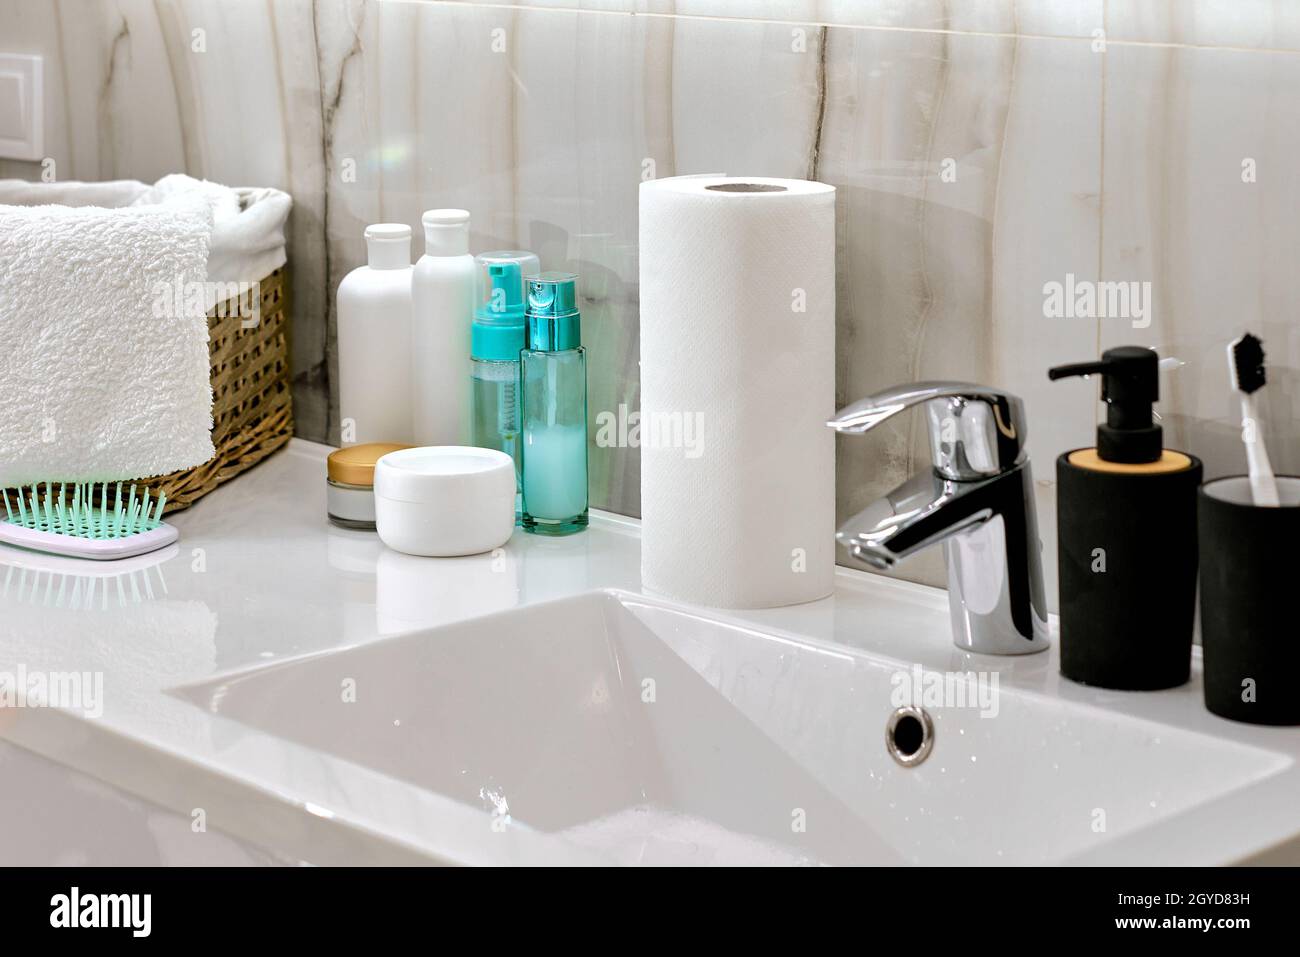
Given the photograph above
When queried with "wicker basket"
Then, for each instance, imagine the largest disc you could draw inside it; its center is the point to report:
(252, 413)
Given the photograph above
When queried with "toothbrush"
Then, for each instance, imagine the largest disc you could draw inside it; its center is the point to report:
(1246, 367)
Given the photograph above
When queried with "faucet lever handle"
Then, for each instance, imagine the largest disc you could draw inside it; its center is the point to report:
(975, 431)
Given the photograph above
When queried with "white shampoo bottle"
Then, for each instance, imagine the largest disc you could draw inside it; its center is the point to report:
(443, 297)
(374, 340)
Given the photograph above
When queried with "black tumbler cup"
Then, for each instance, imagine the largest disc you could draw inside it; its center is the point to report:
(1249, 627)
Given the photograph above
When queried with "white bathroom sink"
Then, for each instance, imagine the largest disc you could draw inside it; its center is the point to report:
(646, 733)
(502, 713)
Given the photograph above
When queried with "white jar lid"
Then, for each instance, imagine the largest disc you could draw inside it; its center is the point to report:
(451, 476)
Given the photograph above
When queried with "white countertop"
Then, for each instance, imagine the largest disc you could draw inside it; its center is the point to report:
(259, 576)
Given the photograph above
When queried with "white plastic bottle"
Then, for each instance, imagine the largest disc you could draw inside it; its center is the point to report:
(374, 340)
(442, 293)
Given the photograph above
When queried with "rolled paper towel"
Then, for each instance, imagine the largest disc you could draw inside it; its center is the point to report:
(737, 382)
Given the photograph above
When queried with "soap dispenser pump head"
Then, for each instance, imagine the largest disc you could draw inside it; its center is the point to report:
(503, 300)
(497, 332)
(1130, 384)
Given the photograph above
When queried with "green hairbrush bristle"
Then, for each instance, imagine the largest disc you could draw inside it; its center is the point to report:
(62, 508)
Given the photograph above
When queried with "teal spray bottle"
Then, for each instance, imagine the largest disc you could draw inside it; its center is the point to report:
(553, 377)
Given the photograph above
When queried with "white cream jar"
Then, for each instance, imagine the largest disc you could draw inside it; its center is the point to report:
(445, 500)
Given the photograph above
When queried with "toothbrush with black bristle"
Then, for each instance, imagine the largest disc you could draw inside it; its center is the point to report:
(1246, 366)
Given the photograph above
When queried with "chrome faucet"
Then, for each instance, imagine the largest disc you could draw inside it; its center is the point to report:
(978, 500)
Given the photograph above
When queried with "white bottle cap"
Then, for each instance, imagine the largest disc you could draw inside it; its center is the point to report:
(388, 245)
(446, 232)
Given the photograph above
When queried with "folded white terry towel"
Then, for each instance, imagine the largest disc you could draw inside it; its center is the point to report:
(104, 370)
(110, 193)
(247, 223)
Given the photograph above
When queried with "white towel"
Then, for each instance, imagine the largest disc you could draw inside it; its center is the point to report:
(247, 229)
(222, 200)
(251, 245)
(110, 193)
(104, 369)
(247, 223)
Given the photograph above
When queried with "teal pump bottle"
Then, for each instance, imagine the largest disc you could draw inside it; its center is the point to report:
(553, 376)
(496, 339)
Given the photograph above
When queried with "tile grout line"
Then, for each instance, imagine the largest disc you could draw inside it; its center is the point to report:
(814, 159)
(876, 27)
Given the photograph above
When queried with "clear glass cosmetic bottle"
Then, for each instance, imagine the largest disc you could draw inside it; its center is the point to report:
(553, 375)
(498, 335)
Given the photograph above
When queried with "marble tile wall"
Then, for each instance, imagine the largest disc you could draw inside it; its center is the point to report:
(981, 148)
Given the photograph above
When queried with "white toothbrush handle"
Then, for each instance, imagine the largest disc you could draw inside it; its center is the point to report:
(1263, 488)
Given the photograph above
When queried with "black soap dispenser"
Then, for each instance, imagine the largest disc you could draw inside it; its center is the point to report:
(1126, 529)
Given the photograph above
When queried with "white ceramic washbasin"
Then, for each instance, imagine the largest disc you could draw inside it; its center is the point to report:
(646, 733)
(502, 714)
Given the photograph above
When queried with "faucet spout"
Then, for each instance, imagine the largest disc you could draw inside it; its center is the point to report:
(923, 511)
(990, 537)
(977, 501)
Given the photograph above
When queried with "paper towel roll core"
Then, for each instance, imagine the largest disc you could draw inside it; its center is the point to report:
(737, 382)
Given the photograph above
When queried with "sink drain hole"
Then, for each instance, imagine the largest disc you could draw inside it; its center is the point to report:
(909, 736)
